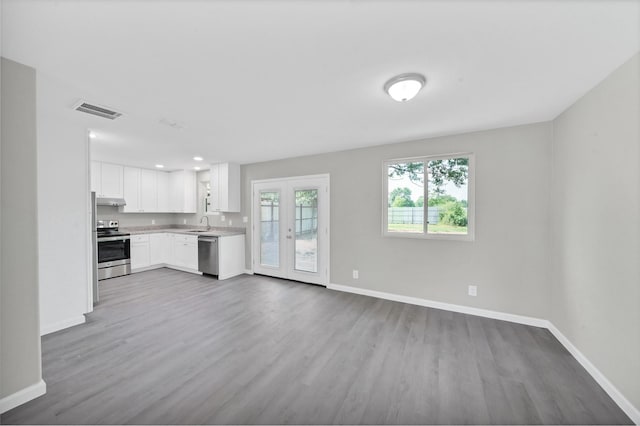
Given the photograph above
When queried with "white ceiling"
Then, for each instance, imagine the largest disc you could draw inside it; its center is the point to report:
(259, 80)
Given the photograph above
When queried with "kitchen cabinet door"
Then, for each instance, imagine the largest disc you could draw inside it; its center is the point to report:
(111, 180)
(148, 191)
(185, 251)
(140, 255)
(96, 178)
(131, 190)
(225, 187)
(159, 249)
(192, 255)
(182, 185)
(162, 181)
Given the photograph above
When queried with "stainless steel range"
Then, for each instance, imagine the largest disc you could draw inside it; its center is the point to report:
(114, 250)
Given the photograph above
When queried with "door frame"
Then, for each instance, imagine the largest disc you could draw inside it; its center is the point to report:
(324, 250)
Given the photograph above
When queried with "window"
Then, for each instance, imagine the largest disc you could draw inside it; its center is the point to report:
(429, 197)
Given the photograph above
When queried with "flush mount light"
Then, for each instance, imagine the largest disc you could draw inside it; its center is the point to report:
(404, 87)
(196, 168)
(160, 166)
(197, 158)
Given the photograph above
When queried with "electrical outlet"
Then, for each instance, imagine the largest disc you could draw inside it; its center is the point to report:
(222, 218)
(153, 221)
(356, 274)
(184, 221)
(230, 222)
(245, 219)
(473, 290)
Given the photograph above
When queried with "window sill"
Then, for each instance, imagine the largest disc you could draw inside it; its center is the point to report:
(422, 236)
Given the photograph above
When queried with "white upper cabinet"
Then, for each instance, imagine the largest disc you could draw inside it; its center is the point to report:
(162, 182)
(112, 177)
(182, 187)
(131, 190)
(148, 191)
(225, 187)
(142, 192)
(107, 180)
(145, 190)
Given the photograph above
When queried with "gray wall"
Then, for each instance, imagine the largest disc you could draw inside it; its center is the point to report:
(64, 208)
(596, 233)
(20, 362)
(508, 261)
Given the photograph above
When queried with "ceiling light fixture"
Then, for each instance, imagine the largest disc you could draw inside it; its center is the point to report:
(160, 166)
(196, 168)
(197, 158)
(92, 135)
(404, 87)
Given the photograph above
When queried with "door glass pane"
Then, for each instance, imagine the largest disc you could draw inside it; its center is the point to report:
(270, 229)
(306, 242)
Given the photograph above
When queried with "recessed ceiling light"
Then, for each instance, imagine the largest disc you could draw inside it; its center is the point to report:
(197, 158)
(196, 168)
(404, 87)
(160, 166)
(92, 135)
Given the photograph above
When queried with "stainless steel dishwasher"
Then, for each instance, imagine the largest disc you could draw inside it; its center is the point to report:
(208, 254)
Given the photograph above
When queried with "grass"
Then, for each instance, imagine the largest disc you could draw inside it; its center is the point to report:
(439, 228)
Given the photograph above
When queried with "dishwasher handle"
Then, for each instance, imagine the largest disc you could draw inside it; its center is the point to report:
(208, 239)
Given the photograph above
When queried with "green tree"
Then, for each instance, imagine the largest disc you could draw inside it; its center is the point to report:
(438, 200)
(400, 197)
(453, 213)
(420, 201)
(453, 170)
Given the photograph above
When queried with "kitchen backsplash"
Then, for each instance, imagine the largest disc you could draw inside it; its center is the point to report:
(145, 219)
(135, 219)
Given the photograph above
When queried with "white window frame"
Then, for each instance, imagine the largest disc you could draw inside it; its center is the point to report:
(471, 199)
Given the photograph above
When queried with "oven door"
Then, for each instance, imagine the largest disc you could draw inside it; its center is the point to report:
(113, 251)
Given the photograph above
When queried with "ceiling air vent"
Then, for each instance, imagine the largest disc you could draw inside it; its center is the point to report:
(100, 111)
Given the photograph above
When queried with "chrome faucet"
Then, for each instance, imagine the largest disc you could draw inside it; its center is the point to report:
(206, 217)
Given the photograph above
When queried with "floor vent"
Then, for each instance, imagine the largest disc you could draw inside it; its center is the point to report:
(100, 111)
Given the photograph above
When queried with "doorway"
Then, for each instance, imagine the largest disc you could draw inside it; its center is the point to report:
(291, 228)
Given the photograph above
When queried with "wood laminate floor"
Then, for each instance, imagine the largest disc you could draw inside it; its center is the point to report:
(170, 347)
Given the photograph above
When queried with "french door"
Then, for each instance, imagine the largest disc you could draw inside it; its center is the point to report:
(291, 228)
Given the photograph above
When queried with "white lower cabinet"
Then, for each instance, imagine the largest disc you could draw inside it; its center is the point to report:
(159, 248)
(185, 251)
(140, 253)
(178, 251)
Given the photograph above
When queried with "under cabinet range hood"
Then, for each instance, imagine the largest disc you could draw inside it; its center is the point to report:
(113, 202)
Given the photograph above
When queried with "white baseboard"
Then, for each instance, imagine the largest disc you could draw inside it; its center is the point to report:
(180, 268)
(608, 387)
(165, 265)
(520, 319)
(248, 271)
(22, 396)
(61, 325)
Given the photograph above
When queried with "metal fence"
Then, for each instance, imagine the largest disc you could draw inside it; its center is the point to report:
(413, 215)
